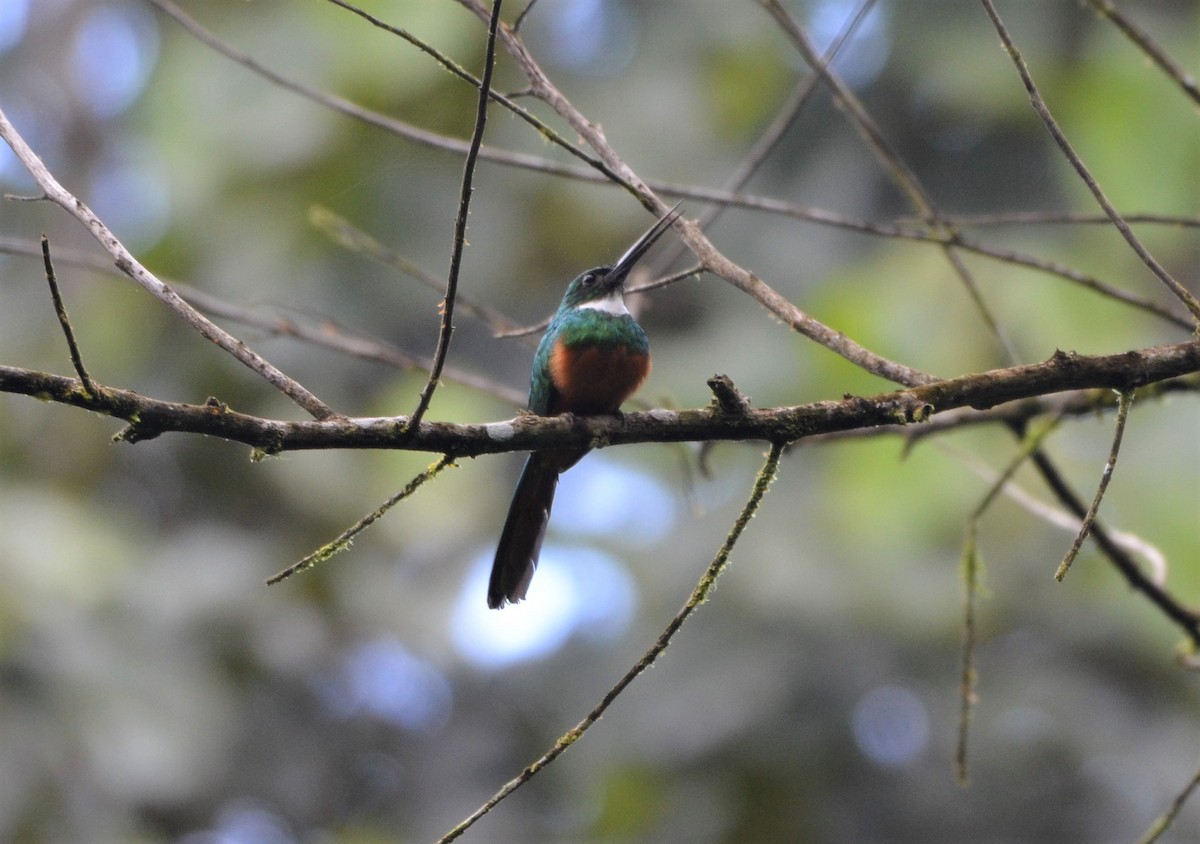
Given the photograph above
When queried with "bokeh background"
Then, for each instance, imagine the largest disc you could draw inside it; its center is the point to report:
(152, 689)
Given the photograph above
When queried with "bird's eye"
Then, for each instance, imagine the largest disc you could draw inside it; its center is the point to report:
(588, 279)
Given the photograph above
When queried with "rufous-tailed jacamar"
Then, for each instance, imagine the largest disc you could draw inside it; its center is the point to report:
(592, 357)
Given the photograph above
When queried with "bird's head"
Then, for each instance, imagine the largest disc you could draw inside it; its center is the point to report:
(603, 288)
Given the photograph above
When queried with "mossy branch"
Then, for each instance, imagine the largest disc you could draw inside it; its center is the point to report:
(699, 595)
(148, 417)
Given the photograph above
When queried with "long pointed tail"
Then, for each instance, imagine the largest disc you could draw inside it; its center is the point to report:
(521, 540)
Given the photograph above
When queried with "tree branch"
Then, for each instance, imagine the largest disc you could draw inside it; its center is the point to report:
(766, 476)
(446, 331)
(129, 265)
(1106, 9)
(1064, 371)
(60, 309)
(712, 258)
(1043, 112)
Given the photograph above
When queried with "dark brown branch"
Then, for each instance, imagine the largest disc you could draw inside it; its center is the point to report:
(60, 309)
(1063, 372)
(1117, 554)
(1080, 403)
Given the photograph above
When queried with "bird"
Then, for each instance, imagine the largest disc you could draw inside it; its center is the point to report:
(593, 357)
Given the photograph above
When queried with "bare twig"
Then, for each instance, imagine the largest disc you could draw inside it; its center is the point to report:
(1039, 105)
(1182, 615)
(516, 27)
(711, 258)
(129, 265)
(1075, 277)
(597, 172)
(342, 542)
(971, 574)
(667, 281)
(699, 595)
(1057, 517)
(355, 239)
(460, 223)
(389, 124)
(1072, 218)
(544, 130)
(1164, 821)
(895, 167)
(773, 134)
(327, 334)
(1108, 10)
(1105, 477)
(61, 310)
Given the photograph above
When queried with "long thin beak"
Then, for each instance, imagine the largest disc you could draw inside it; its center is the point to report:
(626, 262)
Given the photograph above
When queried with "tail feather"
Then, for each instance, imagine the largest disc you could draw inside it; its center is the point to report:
(521, 540)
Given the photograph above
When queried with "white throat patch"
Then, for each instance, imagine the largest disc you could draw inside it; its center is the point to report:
(613, 303)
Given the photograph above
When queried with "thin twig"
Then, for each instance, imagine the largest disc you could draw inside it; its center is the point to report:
(1108, 10)
(1039, 105)
(516, 27)
(460, 224)
(894, 166)
(1144, 550)
(772, 135)
(1076, 277)
(667, 281)
(342, 542)
(61, 310)
(542, 128)
(129, 265)
(597, 173)
(355, 239)
(1184, 616)
(971, 568)
(1084, 529)
(1055, 218)
(699, 595)
(710, 257)
(1164, 821)
(327, 334)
